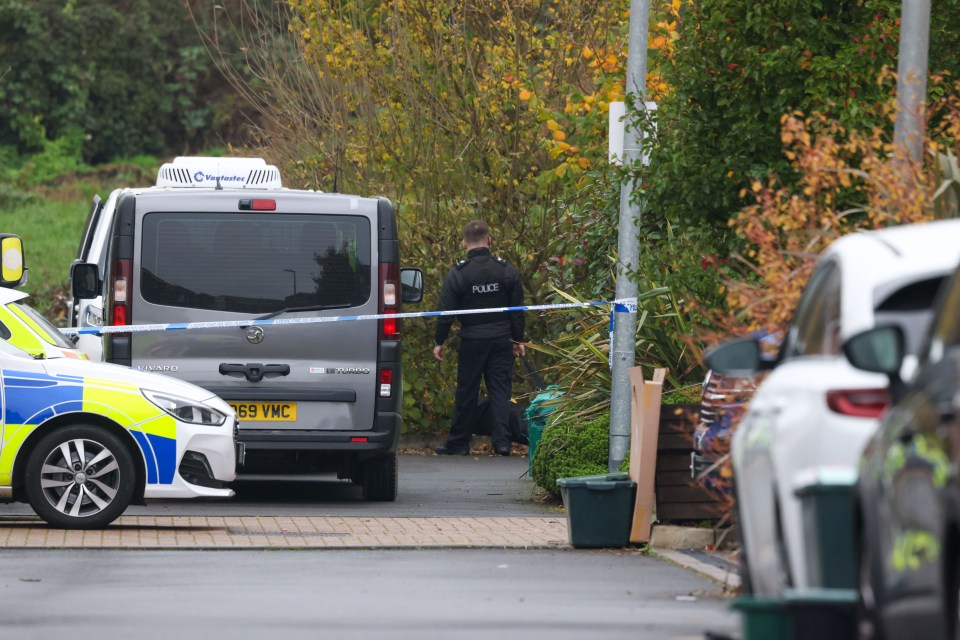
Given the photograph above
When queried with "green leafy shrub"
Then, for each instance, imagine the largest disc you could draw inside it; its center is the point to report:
(12, 197)
(133, 76)
(58, 157)
(570, 447)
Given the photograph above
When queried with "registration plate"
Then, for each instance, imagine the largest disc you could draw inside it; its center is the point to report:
(265, 411)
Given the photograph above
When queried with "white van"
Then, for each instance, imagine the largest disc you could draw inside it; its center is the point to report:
(220, 239)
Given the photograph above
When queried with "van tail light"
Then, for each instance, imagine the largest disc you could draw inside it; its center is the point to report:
(389, 300)
(386, 383)
(120, 293)
(859, 403)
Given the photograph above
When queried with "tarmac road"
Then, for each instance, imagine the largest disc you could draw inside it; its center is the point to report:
(430, 486)
(421, 595)
(433, 564)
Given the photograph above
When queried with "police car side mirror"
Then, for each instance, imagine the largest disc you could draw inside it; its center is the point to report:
(13, 273)
(84, 280)
(411, 285)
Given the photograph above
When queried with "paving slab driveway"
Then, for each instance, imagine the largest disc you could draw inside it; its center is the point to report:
(461, 501)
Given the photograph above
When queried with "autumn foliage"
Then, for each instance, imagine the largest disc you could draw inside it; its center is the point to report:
(493, 109)
(848, 181)
(498, 109)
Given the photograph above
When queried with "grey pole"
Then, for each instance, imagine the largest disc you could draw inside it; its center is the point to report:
(625, 324)
(908, 131)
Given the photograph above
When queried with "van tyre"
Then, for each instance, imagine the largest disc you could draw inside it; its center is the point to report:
(380, 478)
(80, 477)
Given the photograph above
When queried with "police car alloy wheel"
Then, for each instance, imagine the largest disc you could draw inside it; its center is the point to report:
(80, 477)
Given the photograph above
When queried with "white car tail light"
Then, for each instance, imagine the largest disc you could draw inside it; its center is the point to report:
(859, 403)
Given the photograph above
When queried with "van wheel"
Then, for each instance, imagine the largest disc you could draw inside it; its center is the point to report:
(380, 479)
(79, 477)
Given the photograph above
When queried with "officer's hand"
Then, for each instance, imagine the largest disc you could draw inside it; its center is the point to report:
(438, 353)
(519, 350)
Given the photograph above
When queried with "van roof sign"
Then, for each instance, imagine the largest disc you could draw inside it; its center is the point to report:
(228, 173)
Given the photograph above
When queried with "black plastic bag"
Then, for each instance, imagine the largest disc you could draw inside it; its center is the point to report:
(483, 422)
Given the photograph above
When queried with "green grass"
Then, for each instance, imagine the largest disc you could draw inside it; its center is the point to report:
(51, 233)
(50, 219)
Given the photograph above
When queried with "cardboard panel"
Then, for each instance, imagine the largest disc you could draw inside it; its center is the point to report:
(644, 432)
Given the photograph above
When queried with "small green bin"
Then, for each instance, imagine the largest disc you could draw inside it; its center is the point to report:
(828, 513)
(762, 618)
(821, 614)
(599, 509)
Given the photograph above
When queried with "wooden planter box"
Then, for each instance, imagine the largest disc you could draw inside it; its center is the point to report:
(678, 496)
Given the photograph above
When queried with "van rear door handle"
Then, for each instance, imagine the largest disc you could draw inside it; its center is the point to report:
(93, 316)
(254, 371)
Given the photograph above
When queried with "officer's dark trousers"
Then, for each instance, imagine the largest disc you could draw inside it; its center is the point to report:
(491, 359)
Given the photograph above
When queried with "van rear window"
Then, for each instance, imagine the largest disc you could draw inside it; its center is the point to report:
(255, 263)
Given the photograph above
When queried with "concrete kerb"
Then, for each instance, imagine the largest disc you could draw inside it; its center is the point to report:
(692, 548)
(712, 566)
(665, 536)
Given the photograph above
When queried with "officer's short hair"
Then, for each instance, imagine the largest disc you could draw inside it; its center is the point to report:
(475, 231)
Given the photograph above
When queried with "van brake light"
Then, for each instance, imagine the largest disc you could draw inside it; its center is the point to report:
(389, 302)
(257, 205)
(390, 325)
(119, 292)
(386, 383)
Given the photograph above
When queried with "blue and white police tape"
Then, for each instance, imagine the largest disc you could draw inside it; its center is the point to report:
(625, 305)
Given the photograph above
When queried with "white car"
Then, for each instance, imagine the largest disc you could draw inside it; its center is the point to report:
(814, 410)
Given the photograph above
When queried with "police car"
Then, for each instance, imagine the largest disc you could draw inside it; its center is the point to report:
(83, 440)
(23, 326)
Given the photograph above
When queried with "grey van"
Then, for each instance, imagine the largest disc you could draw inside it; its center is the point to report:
(221, 240)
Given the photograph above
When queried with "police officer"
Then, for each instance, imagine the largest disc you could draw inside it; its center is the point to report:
(488, 341)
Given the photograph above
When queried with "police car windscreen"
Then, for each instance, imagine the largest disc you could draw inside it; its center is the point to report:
(254, 263)
(46, 329)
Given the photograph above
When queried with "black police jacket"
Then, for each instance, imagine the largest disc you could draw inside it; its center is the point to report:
(481, 281)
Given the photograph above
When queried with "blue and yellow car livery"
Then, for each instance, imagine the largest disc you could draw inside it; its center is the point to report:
(23, 326)
(82, 440)
(32, 399)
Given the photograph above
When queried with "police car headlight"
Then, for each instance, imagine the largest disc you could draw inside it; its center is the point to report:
(186, 410)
